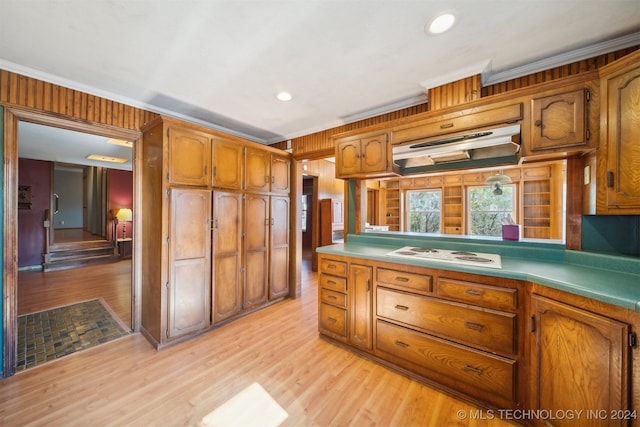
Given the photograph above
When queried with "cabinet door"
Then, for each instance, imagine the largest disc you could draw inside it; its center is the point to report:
(280, 174)
(227, 246)
(623, 140)
(189, 157)
(359, 288)
(188, 297)
(579, 360)
(558, 121)
(279, 248)
(258, 167)
(374, 154)
(348, 158)
(228, 164)
(257, 224)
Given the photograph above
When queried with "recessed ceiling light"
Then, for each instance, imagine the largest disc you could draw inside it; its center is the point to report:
(441, 23)
(102, 158)
(284, 96)
(120, 142)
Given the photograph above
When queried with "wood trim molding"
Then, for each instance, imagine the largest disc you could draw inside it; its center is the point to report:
(12, 116)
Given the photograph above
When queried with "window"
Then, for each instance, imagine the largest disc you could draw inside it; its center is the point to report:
(487, 211)
(424, 211)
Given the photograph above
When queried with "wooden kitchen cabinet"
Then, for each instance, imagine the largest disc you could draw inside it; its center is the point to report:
(279, 247)
(267, 172)
(256, 249)
(189, 157)
(619, 154)
(559, 121)
(227, 255)
(228, 163)
(241, 241)
(360, 286)
(579, 360)
(366, 155)
(332, 297)
(189, 287)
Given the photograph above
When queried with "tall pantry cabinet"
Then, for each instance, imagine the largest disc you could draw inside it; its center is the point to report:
(215, 235)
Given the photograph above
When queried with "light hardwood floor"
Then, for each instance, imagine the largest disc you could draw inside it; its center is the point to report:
(126, 382)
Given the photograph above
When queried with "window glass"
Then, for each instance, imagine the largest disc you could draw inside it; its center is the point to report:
(487, 211)
(424, 211)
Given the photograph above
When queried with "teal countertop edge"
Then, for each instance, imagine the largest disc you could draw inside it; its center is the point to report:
(604, 277)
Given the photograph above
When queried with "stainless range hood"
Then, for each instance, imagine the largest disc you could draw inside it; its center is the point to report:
(477, 145)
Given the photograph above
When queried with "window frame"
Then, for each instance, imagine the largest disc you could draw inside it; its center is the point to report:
(407, 211)
(469, 211)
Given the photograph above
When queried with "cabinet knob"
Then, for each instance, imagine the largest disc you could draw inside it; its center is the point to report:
(610, 179)
(538, 123)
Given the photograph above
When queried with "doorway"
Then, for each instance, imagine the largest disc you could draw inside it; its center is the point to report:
(13, 118)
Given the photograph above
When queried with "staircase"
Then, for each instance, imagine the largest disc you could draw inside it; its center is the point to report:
(64, 256)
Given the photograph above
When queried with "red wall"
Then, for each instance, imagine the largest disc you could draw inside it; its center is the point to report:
(31, 232)
(120, 196)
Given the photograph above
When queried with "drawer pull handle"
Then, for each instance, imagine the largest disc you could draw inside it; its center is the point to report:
(474, 326)
(473, 369)
(446, 125)
(332, 266)
(331, 319)
(474, 293)
(331, 282)
(401, 344)
(402, 279)
(402, 307)
(332, 297)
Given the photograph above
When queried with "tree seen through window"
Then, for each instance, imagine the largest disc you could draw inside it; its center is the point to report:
(487, 211)
(424, 211)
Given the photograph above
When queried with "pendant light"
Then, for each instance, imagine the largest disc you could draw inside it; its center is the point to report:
(497, 181)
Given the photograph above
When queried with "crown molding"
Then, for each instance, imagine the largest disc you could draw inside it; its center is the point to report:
(489, 78)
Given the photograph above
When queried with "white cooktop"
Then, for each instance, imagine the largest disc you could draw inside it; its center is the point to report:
(461, 257)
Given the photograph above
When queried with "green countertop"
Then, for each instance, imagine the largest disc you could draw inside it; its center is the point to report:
(603, 277)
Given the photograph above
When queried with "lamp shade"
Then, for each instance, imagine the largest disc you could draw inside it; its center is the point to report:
(124, 214)
(498, 178)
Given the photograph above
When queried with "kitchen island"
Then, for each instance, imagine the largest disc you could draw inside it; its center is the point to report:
(551, 329)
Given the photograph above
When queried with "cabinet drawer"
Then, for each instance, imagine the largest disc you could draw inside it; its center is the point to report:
(335, 298)
(482, 371)
(332, 319)
(475, 293)
(339, 268)
(422, 282)
(489, 329)
(333, 283)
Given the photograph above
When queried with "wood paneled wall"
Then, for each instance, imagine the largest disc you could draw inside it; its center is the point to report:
(568, 70)
(19, 90)
(455, 93)
(319, 144)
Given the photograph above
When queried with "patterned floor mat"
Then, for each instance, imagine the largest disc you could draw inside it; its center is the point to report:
(51, 334)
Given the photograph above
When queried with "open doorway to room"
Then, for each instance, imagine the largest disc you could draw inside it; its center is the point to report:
(93, 193)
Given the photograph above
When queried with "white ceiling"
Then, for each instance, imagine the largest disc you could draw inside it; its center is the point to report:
(221, 62)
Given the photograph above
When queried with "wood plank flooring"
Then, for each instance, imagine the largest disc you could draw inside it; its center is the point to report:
(127, 383)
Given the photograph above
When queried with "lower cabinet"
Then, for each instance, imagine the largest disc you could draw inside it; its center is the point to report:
(579, 361)
(501, 343)
(360, 285)
(189, 286)
(459, 330)
(227, 254)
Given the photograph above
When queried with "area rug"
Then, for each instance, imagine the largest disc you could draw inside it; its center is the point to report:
(51, 334)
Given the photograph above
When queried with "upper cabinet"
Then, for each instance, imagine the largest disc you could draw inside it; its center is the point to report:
(559, 121)
(267, 172)
(618, 158)
(366, 155)
(228, 163)
(189, 157)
